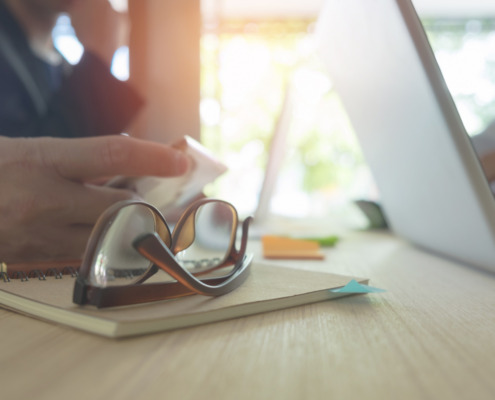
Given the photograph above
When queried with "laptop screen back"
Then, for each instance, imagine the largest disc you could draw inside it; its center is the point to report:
(431, 184)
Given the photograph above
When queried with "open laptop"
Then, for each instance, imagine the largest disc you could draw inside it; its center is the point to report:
(277, 151)
(432, 187)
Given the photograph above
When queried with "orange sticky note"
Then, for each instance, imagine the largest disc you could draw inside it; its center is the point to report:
(278, 247)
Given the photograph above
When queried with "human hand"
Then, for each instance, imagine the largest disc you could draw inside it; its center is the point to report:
(48, 199)
(100, 28)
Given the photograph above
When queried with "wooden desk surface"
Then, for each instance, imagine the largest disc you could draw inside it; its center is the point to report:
(430, 336)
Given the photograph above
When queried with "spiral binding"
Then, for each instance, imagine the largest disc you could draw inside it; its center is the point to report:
(39, 274)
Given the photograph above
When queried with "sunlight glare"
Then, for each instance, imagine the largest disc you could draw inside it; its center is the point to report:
(242, 65)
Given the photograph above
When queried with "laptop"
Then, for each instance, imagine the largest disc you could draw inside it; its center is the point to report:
(277, 152)
(432, 187)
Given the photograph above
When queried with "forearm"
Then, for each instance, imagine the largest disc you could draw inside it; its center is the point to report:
(90, 102)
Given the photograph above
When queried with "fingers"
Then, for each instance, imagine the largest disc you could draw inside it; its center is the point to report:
(41, 243)
(48, 208)
(91, 158)
(85, 203)
(71, 242)
(61, 243)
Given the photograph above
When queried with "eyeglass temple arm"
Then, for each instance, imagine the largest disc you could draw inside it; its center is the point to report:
(234, 255)
(152, 247)
(244, 237)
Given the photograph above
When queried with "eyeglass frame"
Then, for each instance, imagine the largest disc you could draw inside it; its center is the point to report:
(162, 256)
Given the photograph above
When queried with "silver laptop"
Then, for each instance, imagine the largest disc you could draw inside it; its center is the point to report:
(432, 187)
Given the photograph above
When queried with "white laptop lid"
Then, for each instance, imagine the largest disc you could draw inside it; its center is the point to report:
(431, 184)
(278, 149)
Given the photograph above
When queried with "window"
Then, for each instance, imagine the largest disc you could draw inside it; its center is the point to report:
(246, 66)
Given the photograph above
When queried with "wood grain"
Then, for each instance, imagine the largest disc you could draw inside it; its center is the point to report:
(430, 336)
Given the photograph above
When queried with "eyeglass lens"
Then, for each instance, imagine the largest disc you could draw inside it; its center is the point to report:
(116, 262)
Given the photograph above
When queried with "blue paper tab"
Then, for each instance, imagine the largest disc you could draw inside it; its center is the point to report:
(355, 287)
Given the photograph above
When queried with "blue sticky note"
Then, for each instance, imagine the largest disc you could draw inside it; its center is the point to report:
(355, 287)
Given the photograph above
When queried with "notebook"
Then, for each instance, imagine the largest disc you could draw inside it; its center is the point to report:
(267, 288)
(432, 187)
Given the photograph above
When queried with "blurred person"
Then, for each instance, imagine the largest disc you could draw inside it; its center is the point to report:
(41, 94)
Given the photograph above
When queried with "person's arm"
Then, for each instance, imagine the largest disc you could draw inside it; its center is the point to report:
(90, 100)
(95, 102)
(48, 204)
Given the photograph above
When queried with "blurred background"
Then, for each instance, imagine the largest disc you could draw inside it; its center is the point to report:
(220, 70)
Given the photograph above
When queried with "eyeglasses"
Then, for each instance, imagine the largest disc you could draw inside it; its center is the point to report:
(131, 242)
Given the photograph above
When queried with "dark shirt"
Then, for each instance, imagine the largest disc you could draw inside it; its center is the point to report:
(40, 99)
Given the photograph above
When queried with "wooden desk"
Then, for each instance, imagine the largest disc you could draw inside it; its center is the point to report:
(430, 336)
